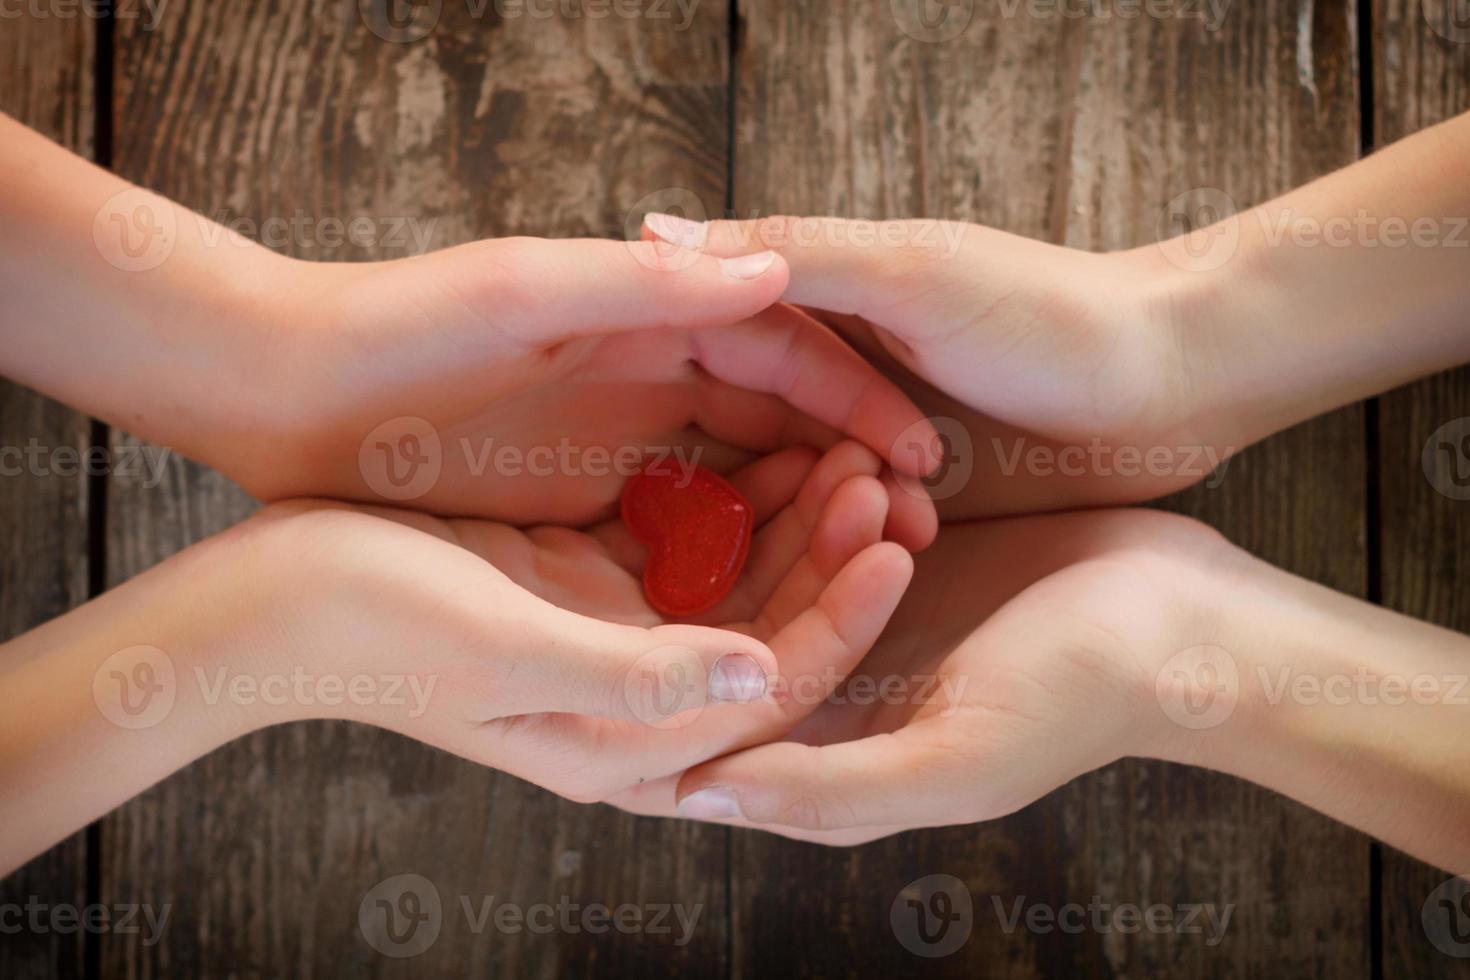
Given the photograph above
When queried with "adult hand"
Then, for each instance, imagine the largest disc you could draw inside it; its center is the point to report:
(1029, 651)
(520, 380)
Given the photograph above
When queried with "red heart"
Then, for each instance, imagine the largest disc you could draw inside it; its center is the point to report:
(697, 528)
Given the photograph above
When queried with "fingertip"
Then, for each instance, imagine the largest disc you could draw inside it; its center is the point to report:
(912, 520)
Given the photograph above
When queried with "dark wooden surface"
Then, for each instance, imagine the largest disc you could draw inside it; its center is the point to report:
(1071, 130)
(46, 81)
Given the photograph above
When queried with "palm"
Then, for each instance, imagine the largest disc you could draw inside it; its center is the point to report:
(988, 471)
(1010, 631)
(817, 588)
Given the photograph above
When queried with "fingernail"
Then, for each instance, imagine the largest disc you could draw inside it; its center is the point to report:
(747, 266)
(709, 804)
(736, 677)
(676, 230)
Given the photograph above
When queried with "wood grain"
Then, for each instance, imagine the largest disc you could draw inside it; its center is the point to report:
(484, 126)
(1421, 76)
(1077, 131)
(45, 82)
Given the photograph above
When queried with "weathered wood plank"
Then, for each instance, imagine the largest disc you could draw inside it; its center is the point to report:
(1421, 60)
(1079, 131)
(483, 126)
(46, 82)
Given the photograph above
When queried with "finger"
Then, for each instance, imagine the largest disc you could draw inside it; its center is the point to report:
(542, 291)
(784, 352)
(552, 660)
(814, 653)
(855, 266)
(913, 520)
(852, 521)
(782, 542)
(902, 779)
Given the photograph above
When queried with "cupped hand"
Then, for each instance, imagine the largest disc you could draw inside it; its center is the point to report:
(1025, 653)
(1067, 374)
(523, 380)
(547, 660)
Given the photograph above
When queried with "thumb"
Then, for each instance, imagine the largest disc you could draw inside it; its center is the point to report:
(579, 665)
(841, 265)
(542, 291)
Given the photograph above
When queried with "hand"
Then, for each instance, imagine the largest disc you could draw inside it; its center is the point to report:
(1029, 347)
(520, 346)
(818, 588)
(522, 379)
(1029, 651)
(967, 709)
(476, 637)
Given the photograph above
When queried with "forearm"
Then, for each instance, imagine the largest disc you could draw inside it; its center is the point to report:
(1356, 711)
(105, 701)
(126, 307)
(1339, 290)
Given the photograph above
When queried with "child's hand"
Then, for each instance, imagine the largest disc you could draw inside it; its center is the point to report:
(533, 651)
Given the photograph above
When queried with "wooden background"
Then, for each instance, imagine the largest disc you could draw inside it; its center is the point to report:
(1072, 129)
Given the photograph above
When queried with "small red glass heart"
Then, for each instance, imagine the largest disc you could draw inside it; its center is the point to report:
(697, 528)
